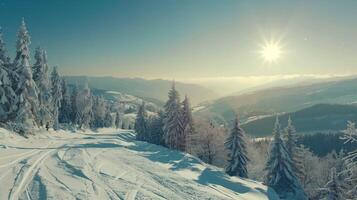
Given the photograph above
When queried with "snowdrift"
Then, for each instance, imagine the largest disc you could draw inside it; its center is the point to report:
(110, 164)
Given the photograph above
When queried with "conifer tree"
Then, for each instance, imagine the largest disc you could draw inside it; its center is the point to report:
(108, 119)
(350, 137)
(56, 83)
(173, 126)
(279, 169)
(117, 120)
(26, 88)
(188, 125)
(3, 58)
(8, 98)
(237, 156)
(84, 107)
(66, 107)
(74, 110)
(41, 78)
(293, 150)
(334, 187)
(155, 128)
(141, 123)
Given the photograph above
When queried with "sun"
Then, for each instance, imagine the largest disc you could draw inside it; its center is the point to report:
(271, 51)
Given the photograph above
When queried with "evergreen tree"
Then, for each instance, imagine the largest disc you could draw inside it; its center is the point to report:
(41, 78)
(99, 111)
(173, 126)
(293, 150)
(26, 88)
(334, 187)
(141, 123)
(3, 58)
(56, 82)
(117, 120)
(74, 109)
(8, 98)
(66, 106)
(237, 156)
(187, 122)
(279, 169)
(350, 160)
(108, 119)
(155, 128)
(84, 107)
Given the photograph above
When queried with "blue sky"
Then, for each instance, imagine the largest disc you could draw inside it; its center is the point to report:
(187, 39)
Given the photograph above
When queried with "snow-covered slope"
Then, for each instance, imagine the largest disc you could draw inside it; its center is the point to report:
(110, 164)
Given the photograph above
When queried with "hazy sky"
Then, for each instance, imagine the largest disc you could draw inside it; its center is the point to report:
(188, 39)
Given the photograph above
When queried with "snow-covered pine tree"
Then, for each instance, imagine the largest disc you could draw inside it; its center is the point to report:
(187, 122)
(3, 58)
(41, 78)
(108, 119)
(26, 88)
(237, 157)
(99, 111)
(350, 160)
(141, 123)
(8, 98)
(334, 187)
(66, 106)
(56, 83)
(117, 120)
(84, 107)
(294, 151)
(173, 127)
(74, 109)
(279, 169)
(155, 128)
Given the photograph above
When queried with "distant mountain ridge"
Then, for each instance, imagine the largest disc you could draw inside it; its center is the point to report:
(317, 118)
(148, 89)
(282, 99)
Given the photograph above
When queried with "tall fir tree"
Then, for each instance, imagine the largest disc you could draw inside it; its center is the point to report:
(188, 125)
(26, 88)
(294, 151)
(108, 119)
(66, 106)
(8, 98)
(99, 108)
(280, 174)
(155, 128)
(56, 83)
(237, 157)
(84, 107)
(141, 123)
(3, 58)
(42, 80)
(74, 109)
(173, 125)
(350, 137)
(334, 187)
(117, 120)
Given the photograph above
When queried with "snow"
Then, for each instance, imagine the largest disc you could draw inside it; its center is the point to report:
(110, 164)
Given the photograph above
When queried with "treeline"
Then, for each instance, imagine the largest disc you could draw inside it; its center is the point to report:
(31, 97)
(281, 162)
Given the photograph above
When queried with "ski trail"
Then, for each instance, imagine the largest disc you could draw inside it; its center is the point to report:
(27, 175)
(17, 155)
(4, 174)
(131, 195)
(18, 159)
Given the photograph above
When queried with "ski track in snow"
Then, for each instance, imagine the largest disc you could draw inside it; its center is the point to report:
(110, 165)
